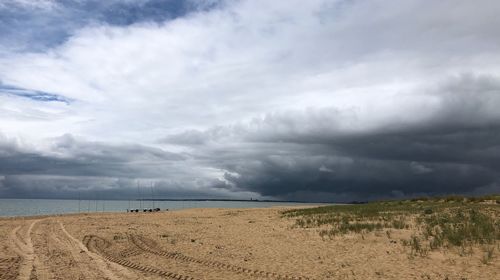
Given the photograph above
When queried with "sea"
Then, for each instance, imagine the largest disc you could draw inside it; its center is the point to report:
(35, 207)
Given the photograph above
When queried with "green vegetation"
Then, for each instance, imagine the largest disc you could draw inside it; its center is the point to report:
(433, 222)
(461, 226)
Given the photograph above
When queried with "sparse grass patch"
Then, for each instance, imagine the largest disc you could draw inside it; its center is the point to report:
(435, 223)
(461, 226)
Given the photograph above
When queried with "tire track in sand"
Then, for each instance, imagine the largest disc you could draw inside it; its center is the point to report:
(24, 248)
(99, 245)
(141, 244)
(110, 270)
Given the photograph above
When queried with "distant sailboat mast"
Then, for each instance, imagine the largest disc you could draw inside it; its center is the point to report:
(139, 193)
(152, 195)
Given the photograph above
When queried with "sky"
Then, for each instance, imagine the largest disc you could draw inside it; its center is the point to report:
(321, 100)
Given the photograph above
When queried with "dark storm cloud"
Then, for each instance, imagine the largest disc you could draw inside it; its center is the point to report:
(359, 179)
(77, 168)
(340, 170)
(455, 148)
(89, 187)
(70, 157)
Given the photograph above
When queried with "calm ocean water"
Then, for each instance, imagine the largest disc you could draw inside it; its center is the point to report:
(31, 207)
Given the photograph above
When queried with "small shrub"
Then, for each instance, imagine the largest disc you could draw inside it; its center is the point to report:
(398, 224)
(417, 247)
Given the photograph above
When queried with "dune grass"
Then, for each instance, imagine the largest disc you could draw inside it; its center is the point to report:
(435, 223)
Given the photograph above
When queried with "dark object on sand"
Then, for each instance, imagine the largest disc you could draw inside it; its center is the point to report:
(146, 210)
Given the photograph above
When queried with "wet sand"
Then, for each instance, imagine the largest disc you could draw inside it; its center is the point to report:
(214, 244)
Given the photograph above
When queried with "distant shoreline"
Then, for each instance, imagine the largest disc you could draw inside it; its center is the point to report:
(35, 207)
(200, 199)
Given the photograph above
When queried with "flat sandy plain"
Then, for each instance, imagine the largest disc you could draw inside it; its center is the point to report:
(213, 244)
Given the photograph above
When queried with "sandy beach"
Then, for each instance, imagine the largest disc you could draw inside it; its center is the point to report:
(214, 244)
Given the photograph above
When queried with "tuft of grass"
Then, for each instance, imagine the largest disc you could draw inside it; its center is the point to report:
(399, 223)
(417, 247)
(487, 254)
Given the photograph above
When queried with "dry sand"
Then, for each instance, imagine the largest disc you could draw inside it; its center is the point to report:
(213, 244)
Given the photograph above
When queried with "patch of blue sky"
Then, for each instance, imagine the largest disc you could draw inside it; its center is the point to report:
(27, 28)
(35, 95)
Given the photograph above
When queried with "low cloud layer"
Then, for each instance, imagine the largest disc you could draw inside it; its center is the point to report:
(316, 101)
